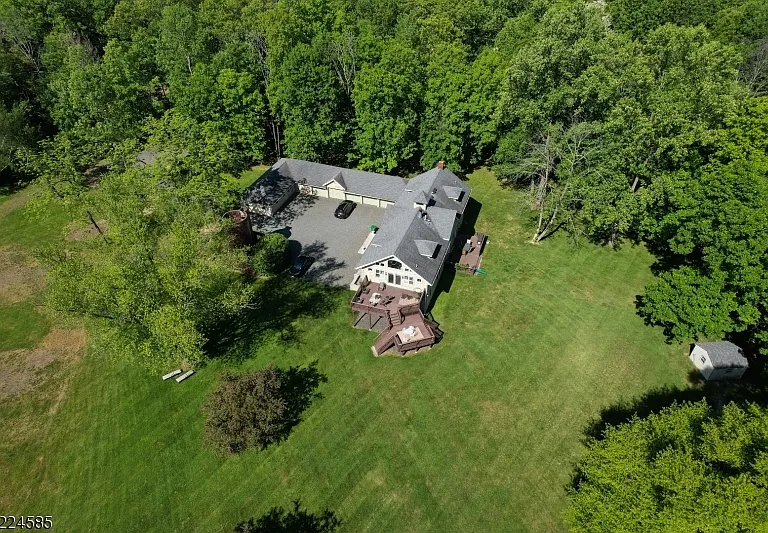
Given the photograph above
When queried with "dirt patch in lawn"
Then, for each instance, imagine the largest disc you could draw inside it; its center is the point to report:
(14, 203)
(23, 370)
(20, 275)
(90, 230)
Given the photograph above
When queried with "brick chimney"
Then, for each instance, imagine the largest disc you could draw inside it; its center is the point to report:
(441, 165)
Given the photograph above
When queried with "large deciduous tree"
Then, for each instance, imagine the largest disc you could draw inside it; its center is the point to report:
(387, 98)
(710, 228)
(687, 468)
(163, 274)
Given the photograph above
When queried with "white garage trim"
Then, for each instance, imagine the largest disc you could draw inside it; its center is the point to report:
(354, 198)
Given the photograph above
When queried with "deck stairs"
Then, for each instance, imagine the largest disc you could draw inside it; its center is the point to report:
(384, 341)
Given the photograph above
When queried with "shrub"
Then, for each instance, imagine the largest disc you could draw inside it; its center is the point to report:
(270, 254)
(258, 408)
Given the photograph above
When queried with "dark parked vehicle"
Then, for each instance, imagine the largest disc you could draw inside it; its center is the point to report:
(301, 265)
(345, 209)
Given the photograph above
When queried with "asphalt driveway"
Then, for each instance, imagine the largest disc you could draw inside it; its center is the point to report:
(312, 230)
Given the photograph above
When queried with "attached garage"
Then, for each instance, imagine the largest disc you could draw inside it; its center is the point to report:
(354, 198)
(269, 193)
(323, 181)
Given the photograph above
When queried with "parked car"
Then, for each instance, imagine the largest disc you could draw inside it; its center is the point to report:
(345, 209)
(300, 265)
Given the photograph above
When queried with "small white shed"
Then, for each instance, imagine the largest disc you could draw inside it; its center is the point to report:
(718, 360)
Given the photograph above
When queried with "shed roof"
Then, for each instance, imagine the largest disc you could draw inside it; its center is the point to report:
(724, 354)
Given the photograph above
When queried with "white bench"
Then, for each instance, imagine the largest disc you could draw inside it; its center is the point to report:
(184, 376)
(169, 375)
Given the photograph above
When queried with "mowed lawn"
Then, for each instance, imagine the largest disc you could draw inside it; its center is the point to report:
(478, 434)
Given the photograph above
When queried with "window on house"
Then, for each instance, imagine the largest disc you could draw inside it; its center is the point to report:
(703, 359)
(379, 273)
(397, 265)
(728, 370)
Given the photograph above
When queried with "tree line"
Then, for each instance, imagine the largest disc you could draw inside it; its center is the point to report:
(624, 121)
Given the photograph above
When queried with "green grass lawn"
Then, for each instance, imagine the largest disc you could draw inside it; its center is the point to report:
(478, 434)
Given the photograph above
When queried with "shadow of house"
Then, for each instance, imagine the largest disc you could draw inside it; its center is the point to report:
(471, 213)
(444, 283)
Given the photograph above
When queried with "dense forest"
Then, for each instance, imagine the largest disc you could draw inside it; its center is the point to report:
(626, 121)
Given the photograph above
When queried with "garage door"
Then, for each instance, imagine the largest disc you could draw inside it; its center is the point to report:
(322, 192)
(370, 201)
(354, 197)
(336, 193)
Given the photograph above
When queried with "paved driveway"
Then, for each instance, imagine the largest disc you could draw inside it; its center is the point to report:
(312, 230)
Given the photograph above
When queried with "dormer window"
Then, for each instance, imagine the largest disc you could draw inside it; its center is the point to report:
(427, 248)
(454, 193)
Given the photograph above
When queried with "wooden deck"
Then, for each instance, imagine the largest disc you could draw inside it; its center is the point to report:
(471, 253)
(371, 299)
(406, 328)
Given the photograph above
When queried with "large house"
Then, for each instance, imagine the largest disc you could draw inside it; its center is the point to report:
(412, 245)
(418, 227)
(403, 259)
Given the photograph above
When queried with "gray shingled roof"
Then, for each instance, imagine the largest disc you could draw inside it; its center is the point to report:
(433, 184)
(359, 182)
(724, 354)
(452, 192)
(426, 248)
(398, 236)
(269, 188)
(338, 178)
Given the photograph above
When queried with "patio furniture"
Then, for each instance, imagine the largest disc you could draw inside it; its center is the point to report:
(375, 297)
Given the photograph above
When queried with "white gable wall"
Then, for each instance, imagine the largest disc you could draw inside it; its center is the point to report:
(409, 279)
(701, 361)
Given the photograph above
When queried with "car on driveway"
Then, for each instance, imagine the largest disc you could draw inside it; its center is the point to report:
(345, 209)
(300, 265)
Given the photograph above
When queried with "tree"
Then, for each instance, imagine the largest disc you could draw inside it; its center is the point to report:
(229, 102)
(708, 228)
(313, 105)
(259, 408)
(164, 273)
(687, 468)
(270, 254)
(387, 98)
(297, 520)
(444, 126)
(15, 133)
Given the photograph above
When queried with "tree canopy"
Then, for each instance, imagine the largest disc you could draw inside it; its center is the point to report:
(687, 468)
(626, 120)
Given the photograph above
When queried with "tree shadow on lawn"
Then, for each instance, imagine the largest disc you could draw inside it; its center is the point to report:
(752, 387)
(281, 300)
(299, 390)
(297, 520)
